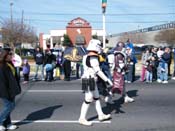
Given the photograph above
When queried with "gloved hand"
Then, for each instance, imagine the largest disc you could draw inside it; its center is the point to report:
(109, 84)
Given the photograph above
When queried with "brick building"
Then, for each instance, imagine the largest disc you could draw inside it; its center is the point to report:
(78, 30)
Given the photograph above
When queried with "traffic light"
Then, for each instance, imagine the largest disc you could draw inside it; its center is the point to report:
(104, 3)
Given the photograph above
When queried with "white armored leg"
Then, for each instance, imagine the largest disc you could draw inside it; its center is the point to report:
(101, 115)
(84, 109)
(98, 108)
(82, 119)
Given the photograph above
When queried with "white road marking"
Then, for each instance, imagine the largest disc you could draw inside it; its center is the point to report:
(55, 121)
(54, 91)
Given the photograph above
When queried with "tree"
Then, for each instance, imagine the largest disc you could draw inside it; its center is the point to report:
(66, 41)
(166, 36)
(15, 32)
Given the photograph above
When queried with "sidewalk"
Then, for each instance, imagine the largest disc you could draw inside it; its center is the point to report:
(138, 67)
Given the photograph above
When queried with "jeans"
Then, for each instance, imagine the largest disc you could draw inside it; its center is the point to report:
(129, 75)
(37, 67)
(149, 76)
(164, 74)
(49, 75)
(8, 106)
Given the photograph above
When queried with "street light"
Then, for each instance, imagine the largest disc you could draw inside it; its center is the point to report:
(104, 4)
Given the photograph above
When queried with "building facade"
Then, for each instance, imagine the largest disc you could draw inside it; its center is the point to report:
(145, 36)
(79, 31)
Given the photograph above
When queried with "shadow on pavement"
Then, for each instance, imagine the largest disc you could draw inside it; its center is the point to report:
(118, 104)
(132, 93)
(39, 115)
(109, 108)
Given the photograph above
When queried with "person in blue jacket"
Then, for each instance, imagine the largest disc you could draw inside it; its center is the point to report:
(130, 45)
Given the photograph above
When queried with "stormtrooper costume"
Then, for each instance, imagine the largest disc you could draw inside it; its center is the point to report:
(119, 68)
(91, 70)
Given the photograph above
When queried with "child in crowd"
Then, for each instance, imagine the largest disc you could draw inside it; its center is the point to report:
(26, 71)
(149, 69)
(160, 52)
(145, 56)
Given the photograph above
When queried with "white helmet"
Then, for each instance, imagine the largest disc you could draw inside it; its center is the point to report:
(94, 45)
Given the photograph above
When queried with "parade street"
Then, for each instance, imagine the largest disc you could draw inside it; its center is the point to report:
(55, 106)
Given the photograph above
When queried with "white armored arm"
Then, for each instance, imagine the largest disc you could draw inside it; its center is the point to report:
(95, 66)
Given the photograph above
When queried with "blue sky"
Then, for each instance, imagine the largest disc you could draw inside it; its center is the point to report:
(45, 15)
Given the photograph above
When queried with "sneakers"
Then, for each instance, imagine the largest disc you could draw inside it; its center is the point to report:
(104, 117)
(100, 118)
(159, 81)
(165, 82)
(2, 128)
(127, 81)
(128, 99)
(173, 78)
(85, 122)
(12, 127)
(34, 79)
(25, 82)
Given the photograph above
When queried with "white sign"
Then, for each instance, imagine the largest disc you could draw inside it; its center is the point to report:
(78, 22)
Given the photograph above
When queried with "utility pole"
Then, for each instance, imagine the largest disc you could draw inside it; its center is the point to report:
(104, 4)
(22, 29)
(22, 26)
(11, 15)
(11, 12)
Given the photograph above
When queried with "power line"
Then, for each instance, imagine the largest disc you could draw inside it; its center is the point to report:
(38, 13)
(64, 21)
(117, 14)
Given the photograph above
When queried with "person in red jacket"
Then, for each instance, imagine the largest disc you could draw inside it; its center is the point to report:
(120, 67)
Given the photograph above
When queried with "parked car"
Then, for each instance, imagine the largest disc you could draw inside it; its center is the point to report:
(138, 50)
(143, 48)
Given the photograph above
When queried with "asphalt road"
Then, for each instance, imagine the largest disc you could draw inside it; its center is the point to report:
(55, 106)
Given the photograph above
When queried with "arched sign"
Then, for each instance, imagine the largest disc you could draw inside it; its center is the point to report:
(78, 22)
